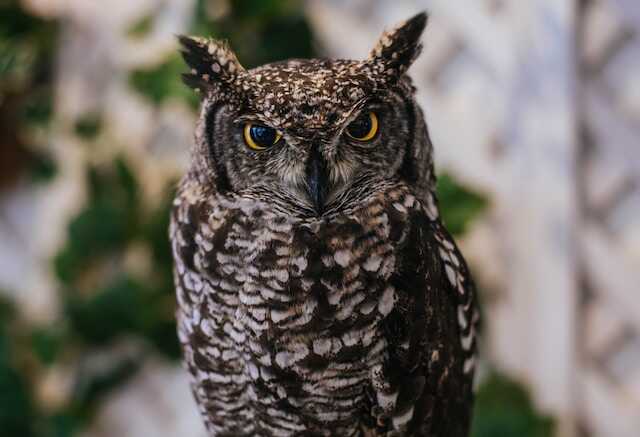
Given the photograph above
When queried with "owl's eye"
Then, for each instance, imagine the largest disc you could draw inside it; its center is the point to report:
(260, 137)
(364, 128)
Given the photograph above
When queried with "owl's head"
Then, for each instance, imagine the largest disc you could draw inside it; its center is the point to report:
(312, 137)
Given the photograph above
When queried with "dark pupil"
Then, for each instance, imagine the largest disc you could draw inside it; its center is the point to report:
(263, 136)
(360, 127)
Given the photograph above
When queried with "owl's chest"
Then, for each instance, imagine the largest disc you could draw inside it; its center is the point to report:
(303, 305)
(314, 289)
(296, 277)
(297, 309)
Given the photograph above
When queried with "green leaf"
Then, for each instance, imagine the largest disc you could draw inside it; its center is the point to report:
(163, 82)
(60, 424)
(109, 313)
(141, 28)
(106, 225)
(15, 22)
(127, 182)
(504, 408)
(459, 206)
(42, 167)
(46, 343)
(27, 44)
(89, 126)
(259, 31)
(7, 310)
(99, 228)
(155, 230)
(16, 406)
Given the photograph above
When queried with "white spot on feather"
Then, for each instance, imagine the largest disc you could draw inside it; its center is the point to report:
(387, 301)
(450, 274)
(277, 316)
(284, 359)
(448, 244)
(300, 262)
(342, 257)
(462, 319)
(253, 371)
(373, 263)
(367, 307)
(321, 346)
(469, 364)
(400, 207)
(466, 341)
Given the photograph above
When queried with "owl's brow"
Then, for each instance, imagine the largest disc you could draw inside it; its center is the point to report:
(352, 113)
(252, 118)
(358, 107)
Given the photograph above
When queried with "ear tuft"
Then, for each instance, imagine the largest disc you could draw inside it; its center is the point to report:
(212, 62)
(399, 47)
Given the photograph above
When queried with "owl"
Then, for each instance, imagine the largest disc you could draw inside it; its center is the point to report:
(319, 293)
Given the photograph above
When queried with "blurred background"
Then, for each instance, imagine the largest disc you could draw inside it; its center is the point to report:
(534, 109)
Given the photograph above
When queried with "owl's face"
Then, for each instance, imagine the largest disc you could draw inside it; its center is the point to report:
(313, 136)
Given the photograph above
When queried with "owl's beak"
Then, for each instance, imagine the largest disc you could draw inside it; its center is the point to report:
(317, 179)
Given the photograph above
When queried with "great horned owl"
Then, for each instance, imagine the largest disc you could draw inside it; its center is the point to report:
(319, 293)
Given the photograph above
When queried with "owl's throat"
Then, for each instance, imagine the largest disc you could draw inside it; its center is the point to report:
(317, 175)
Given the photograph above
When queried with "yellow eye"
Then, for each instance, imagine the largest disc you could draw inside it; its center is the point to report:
(364, 128)
(260, 137)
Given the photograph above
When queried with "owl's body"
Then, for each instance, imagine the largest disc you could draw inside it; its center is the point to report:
(319, 293)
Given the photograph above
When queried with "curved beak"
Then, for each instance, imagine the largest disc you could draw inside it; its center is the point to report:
(317, 176)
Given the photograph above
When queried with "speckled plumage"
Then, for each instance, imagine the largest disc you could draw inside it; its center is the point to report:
(354, 319)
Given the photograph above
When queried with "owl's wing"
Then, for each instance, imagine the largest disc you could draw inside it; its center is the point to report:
(202, 312)
(431, 334)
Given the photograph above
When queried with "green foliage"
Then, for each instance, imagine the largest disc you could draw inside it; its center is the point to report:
(26, 54)
(16, 407)
(259, 32)
(104, 300)
(47, 342)
(26, 45)
(109, 220)
(43, 168)
(38, 107)
(458, 205)
(160, 83)
(504, 408)
(89, 126)
(56, 425)
(109, 312)
(141, 28)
